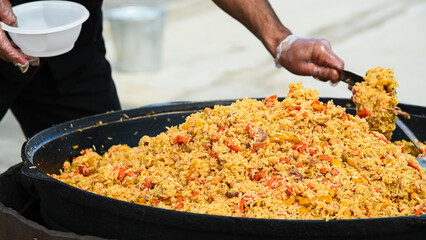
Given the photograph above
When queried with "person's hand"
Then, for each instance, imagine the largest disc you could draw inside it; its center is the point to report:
(309, 57)
(9, 52)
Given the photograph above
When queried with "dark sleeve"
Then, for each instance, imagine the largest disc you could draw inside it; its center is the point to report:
(87, 58)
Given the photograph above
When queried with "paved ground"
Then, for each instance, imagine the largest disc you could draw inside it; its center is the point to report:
(207, 55)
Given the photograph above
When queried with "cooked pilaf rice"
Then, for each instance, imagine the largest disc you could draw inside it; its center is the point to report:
(298, 158)
(408, 147)
(376, 101)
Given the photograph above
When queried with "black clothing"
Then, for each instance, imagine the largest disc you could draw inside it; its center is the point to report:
(73, 85)
(20, 213)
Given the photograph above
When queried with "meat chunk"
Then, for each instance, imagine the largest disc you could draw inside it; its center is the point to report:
(231, 194)
(296, 174)
(260, 135)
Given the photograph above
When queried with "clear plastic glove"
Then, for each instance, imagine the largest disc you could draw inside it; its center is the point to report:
(9, 52)
(309, 57)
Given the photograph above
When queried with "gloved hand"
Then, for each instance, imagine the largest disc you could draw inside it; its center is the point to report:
(9, 52)
(309, 57)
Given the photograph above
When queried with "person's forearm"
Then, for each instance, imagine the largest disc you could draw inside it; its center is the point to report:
(259, 17)
(302, 56)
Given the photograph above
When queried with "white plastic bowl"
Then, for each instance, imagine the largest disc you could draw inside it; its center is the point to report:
(47, 28)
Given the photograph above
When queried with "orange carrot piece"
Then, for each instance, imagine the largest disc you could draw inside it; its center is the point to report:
(122, 173)
(364, 113)
(181, 139)
(147, 183)
(257, 146)
(325, 158)
(232, 146)
(195, 193)
(420, 210)
(411, 164)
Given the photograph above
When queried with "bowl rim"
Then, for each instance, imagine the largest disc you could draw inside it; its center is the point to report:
(66, 4)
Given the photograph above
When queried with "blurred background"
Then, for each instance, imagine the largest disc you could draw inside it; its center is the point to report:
(207, 55)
